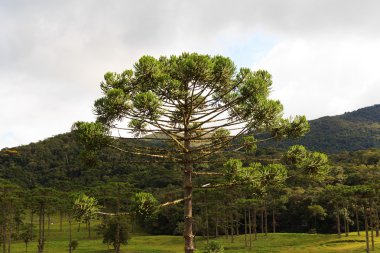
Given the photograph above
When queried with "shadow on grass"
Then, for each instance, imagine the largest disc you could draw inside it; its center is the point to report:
(153, 251)
(134, 251)
(233, 248)
(100, 251)
(341, 241)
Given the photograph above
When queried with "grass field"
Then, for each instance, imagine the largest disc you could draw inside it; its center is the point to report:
(56, 242)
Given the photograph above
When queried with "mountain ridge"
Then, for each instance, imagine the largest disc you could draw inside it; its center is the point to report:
(351, 131)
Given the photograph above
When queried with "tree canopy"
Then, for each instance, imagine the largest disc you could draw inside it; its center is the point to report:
(200, 104)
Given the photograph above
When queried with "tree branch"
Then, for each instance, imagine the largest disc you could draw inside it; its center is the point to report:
(143, 154)
(170, 203)
(208, 173)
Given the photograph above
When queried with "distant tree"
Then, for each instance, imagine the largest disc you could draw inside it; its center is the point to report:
(316, 211)
(10, 202)
(43, 199)
(73, 213)
(365, 194)
(276, 200)
(336, 196)
(114, 231)
(27, 236)
(86, 208)
(115, 197)
(199, 105)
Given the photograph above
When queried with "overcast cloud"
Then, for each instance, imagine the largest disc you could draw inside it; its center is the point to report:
(324, 55)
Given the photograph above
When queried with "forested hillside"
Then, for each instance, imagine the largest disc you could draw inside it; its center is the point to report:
(59, 162)
(351, 131)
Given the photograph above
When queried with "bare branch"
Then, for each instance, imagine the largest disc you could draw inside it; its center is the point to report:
(112, 214)
(143, 154)
(170, 203)
(208, 173)
(209, 185)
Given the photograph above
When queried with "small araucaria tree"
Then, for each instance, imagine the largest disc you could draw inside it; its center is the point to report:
(198, 104)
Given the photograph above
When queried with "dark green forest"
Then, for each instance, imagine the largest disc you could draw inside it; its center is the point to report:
(59, 163)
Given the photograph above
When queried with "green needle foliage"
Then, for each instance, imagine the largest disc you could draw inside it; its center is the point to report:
(200, 105)
(314, 165)
(144, 204)
(85, 207)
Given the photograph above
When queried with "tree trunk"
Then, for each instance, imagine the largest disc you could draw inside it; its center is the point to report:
(338, 223)
(117, 236)
(274, 221)
(10, 238)
(70, 236)
(250, 228)
(266, 221)
(41, 230)
(237, 224)
(48, 215)
(245, 228)
(232, 228)
(4, 239)
(48, 223)
(207, 230)
(315, 223)
(255, 223)
(377, 221)
(89, 229)
(226, 229)
(366, 233)
(203, 218)
(371, 226)
(262, 221)
(357, 221)
(31, 223)
(347, 223)
(216, 226)
(345, 226)
(188, 192)
(60, 220)
(132, 225)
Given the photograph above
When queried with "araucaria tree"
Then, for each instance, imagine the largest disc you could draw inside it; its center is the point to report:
(198, 104)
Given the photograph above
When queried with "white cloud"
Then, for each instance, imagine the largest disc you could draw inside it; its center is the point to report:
(322, 54)
(319, 76)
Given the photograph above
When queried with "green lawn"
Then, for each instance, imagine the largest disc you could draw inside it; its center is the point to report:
(56, 242)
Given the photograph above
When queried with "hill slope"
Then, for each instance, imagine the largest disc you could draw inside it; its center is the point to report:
(59, 161)
(351, 131)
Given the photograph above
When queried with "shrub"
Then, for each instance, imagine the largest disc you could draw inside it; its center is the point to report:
(74, 244)
(214, 247)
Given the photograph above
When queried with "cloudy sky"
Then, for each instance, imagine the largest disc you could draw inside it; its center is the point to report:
(324, 55)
